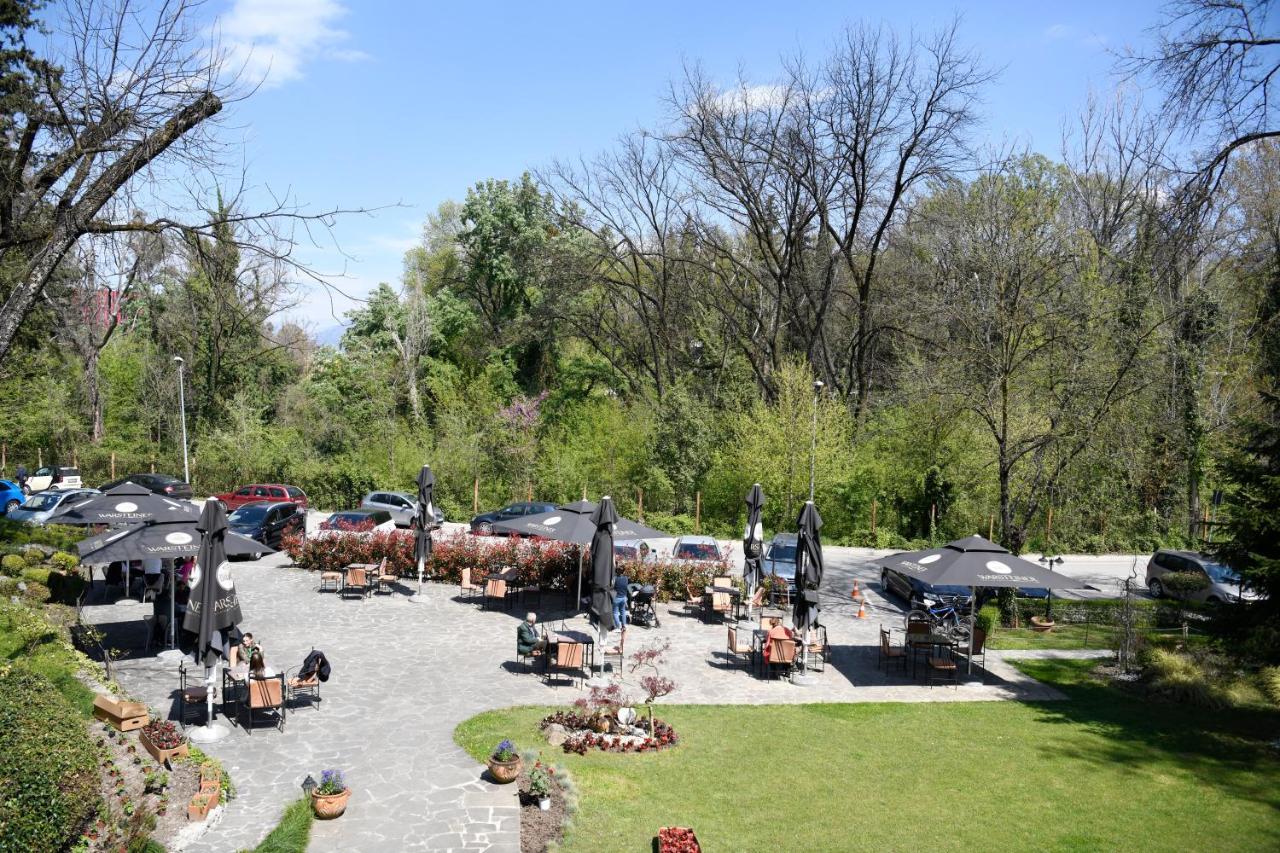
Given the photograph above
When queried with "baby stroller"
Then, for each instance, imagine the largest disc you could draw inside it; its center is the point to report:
(641, 610)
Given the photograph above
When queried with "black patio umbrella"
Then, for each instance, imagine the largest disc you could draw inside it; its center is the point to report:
(603, 518)
(424, 520)
(214, 608)
(127, 503)
(973, 562)
(165, 539)
(753, 540)
(809, 569)
(572, 522)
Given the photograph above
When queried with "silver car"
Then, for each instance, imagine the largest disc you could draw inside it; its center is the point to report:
(42, 505)
(402, 506)
(1221, 583)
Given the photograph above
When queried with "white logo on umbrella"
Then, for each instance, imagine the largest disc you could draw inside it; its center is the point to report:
(932, 558)
(178, 538)
(126, 506)
(224, 576)
(999, 567)
(553, 520)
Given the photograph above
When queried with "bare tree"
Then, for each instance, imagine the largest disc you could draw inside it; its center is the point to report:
(120, 120)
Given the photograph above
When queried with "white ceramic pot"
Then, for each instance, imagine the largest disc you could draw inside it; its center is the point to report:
(545, 804)
(626, 716)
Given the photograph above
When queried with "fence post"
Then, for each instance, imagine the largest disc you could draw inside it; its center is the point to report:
(530, 492)
(991, 527)
(75, 458)
(584, 491)
(1048, 529)
(153, 466)
(4, 457)
(475, 495)
(113, 464)
(873, 520)
(697, 513)
(39, 457)
(640, 505)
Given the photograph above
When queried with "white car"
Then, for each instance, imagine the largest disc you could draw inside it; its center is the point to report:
(356, 522)
(52, 478)
(697, 549)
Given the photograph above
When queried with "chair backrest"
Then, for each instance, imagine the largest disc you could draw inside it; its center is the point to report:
(382, 567)
(355, 577)
(265, 693)
(918, 626)
(979, 638)
(758, 598)
(733, 639)
(783, 651)
(569, 654)
(720, 601)
(722, 580)
(688, 592)
(496, 588)
(884, 640)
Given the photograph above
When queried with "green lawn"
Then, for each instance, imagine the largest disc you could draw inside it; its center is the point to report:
(26, 637)
(1101, 771)
(1076, 636)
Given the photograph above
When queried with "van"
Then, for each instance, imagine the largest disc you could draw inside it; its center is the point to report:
(1221, 583)
(53, 478)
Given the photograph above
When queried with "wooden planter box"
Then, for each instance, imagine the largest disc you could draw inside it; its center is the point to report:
(120, 713)
(162, 756)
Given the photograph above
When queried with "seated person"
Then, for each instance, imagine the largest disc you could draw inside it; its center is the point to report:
(257, 664)
(527, 640)
(776, 632)
(242, 656)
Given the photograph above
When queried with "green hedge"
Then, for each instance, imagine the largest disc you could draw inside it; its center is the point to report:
(48, 768)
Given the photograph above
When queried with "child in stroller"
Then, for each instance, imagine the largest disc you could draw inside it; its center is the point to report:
(641, 605)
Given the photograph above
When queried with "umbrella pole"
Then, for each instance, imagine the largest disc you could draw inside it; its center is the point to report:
(173, 586)
(577, 602)
(420, 567)
(973, 621)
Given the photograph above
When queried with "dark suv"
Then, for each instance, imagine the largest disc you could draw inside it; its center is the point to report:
(268, 522)
(483, 523)
(161, 484)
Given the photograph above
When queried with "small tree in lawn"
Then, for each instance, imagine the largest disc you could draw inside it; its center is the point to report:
(649, 664)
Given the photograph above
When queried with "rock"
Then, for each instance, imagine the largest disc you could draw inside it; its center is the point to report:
(43, 549)
(556, 734)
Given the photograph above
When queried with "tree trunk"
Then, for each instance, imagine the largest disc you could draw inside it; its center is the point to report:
(93, 388)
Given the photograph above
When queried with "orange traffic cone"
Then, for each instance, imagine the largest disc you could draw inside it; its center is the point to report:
(857, 593)
(862, 609)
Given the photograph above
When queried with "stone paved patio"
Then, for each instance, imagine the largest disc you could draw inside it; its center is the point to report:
(405, 673)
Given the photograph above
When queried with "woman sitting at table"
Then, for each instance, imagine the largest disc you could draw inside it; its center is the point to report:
(777, 631)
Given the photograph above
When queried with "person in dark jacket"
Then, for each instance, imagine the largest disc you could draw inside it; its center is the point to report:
(527, 640)
(621, 591)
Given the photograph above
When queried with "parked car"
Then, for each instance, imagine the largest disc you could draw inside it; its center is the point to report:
(160, 484)
(483, 523)
(259, 492)
(915, 591)
(268, 522)
(780, 558)
(11, 497)
(696, 549)
(356, 521)
(53, 477)
(39, 507)
(402, 506)
(632, 551)
(1221, 583)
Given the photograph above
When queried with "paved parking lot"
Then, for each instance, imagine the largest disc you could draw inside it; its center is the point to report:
(405, 673)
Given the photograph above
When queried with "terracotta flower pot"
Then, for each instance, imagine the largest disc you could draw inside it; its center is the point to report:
(505, 772)
(329, 806)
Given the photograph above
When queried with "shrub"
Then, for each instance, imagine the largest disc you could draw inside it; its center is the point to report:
(292, 833)
(48, 768)
(1181, 678)
(33, 557)
(64, 562)
(1182, 584)
(12, 565)
(987, 619)
(1269, 682)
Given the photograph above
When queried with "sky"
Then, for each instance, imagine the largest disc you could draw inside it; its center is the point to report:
(400, 106)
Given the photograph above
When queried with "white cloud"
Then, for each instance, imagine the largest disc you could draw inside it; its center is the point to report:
(271, 40)
(752, 97)
(1067, 32)
(1057, 32)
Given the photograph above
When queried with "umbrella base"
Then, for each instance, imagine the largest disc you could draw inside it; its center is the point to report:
(803, 679)
(172, 655)
(128, 602)
(208, 734)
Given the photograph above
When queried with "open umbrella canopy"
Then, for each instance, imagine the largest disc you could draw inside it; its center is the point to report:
(809, 566)
(976, 561)
(214, 606)
(753, 538)
(603, 520)
(127, 503)
(573, 523)
(165, 539)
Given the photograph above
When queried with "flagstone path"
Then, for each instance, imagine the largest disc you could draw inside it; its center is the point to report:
(406, 673)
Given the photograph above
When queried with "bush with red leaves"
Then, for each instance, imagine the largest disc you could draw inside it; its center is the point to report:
(677, 839)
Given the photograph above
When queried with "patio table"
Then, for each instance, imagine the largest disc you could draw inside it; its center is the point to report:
(928, 642)
(582, 637)
(369, 569)
(735, 597)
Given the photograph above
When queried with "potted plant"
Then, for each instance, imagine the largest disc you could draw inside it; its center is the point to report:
(678, 839)
(329, 799)
(163, 740)
(504, 763)
(540, 786)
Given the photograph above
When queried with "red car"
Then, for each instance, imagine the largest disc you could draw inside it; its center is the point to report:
(263, 492)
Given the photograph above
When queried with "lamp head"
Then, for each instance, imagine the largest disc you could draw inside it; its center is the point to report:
(308, 785)
(179, 359)
(818, 385)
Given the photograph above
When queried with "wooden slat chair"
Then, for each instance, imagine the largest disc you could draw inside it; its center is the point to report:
(979, 650)
(495, 589)
(693, 602)
(917, 628)
(266, 695)
(527, 658)
(384, 577)
(782, 654)
(357, 583)
(721, 603)
(737, 648)
(819, 650)
(890, 652)
(466, 588)
(308, 686)
(568, 659)
(192, 693)
(756, 602)
(330, 581)
(942, 667)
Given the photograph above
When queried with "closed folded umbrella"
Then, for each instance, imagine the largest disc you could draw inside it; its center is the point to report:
(603, 518)
(127, 503)
(809, 569)
(753, 540)
(424, 520)
(214, 608)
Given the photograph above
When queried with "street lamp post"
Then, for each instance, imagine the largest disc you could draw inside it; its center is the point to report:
(1048, 600)
(813, 447)
(182, 412)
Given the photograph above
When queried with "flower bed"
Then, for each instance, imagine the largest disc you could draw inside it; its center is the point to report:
(582, 737)
(677, 839)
